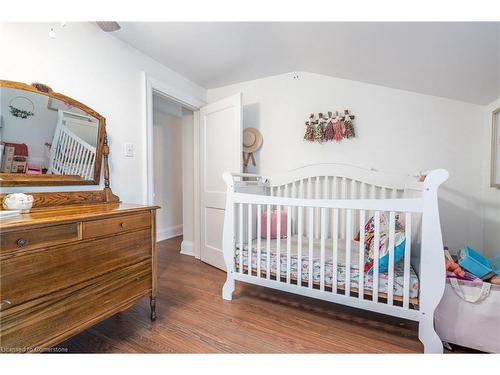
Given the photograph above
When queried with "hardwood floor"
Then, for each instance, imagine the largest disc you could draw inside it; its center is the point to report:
(193, 318)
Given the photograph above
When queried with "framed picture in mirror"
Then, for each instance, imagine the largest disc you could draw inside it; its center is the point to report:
(495, 149)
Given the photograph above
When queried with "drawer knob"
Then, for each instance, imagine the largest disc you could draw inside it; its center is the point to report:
(5, 302)
(123, 225)
(22, 242)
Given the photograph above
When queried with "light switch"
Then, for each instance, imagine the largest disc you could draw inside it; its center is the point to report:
(129, 149)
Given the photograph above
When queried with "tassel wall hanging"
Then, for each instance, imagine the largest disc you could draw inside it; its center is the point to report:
(348, 127)
(319, 134)
(339, 134)
(329, 129)
(309, 135)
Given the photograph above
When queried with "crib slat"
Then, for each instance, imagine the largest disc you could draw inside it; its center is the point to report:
(240, 224)
(335, 257)
(317, 195)
(268, 239)
(79, 168)
(85, 163)
(325, 187)
(302, 195)
(394, 193)
(294, 209)
(406, 275)
(348, 252)
(73, 163)
(278, 243)
(288, 243)
(300, 235)
(361, 265)
(90, 164)
(311, 246)
(343, 212)
(376, 252)
(390, 271)
(65, 157)
(322, 256)
(250, 248)
(383, 193)
(309, 218)
(259, 235)
(363, 190)
(335, 189)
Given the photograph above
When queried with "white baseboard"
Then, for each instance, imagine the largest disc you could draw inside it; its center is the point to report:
(170, 232)
(187, 248)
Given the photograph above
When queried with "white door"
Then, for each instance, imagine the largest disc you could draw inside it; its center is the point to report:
(220, 151)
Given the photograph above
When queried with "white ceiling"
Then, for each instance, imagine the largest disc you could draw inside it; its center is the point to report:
(455, 60)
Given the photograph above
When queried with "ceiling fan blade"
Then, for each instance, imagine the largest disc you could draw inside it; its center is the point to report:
(109, 26)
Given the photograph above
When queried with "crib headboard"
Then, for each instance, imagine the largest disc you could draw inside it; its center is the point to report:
(343, 181)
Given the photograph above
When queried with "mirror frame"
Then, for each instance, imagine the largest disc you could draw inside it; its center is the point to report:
(22, 179)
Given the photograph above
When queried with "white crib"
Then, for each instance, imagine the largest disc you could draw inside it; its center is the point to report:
(69, 153)
(326, 205)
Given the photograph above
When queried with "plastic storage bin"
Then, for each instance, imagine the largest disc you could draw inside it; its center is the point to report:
(476, 264)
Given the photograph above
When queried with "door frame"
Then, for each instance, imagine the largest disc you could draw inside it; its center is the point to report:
(153, 85)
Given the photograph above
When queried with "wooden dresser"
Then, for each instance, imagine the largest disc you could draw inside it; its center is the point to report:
(64, 269)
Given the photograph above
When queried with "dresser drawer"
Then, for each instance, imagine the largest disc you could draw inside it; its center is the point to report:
(115, 225)
(69, 311)
(30, 275)
(39, 237)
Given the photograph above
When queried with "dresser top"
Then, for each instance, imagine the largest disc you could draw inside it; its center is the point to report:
(56, 215)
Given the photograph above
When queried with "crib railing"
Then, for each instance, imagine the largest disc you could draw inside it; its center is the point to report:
(322, 224)
(249, 208)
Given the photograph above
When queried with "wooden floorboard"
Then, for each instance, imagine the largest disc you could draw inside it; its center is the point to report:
(193, 318)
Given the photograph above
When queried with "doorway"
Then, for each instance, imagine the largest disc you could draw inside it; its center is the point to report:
(211, 144)
(172, 167)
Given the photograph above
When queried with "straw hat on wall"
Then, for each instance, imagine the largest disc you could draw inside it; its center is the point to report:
(252, 140)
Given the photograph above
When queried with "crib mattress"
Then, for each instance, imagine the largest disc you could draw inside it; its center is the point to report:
(316, 274)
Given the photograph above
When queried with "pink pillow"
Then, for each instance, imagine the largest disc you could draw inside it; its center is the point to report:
(274, 224)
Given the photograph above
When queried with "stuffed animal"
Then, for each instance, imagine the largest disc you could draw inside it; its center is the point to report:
(451, 265)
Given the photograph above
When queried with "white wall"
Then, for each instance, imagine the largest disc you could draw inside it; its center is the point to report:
(167, 167)
(397, 131)
(491, 196)
(99, 70)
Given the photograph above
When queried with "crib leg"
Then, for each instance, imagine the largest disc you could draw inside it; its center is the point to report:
(228, 288)
(428, 336)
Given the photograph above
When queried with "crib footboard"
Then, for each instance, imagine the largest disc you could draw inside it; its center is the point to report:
(307, 246)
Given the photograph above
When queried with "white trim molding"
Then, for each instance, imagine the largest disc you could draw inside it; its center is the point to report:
(187, 248)
(151, 85)
(170, 232)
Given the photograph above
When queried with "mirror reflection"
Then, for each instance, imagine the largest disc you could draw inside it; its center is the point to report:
(44, 135)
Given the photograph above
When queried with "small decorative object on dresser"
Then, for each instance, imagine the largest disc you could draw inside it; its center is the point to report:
(77, 258)
(495, 149)
(18, 201)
